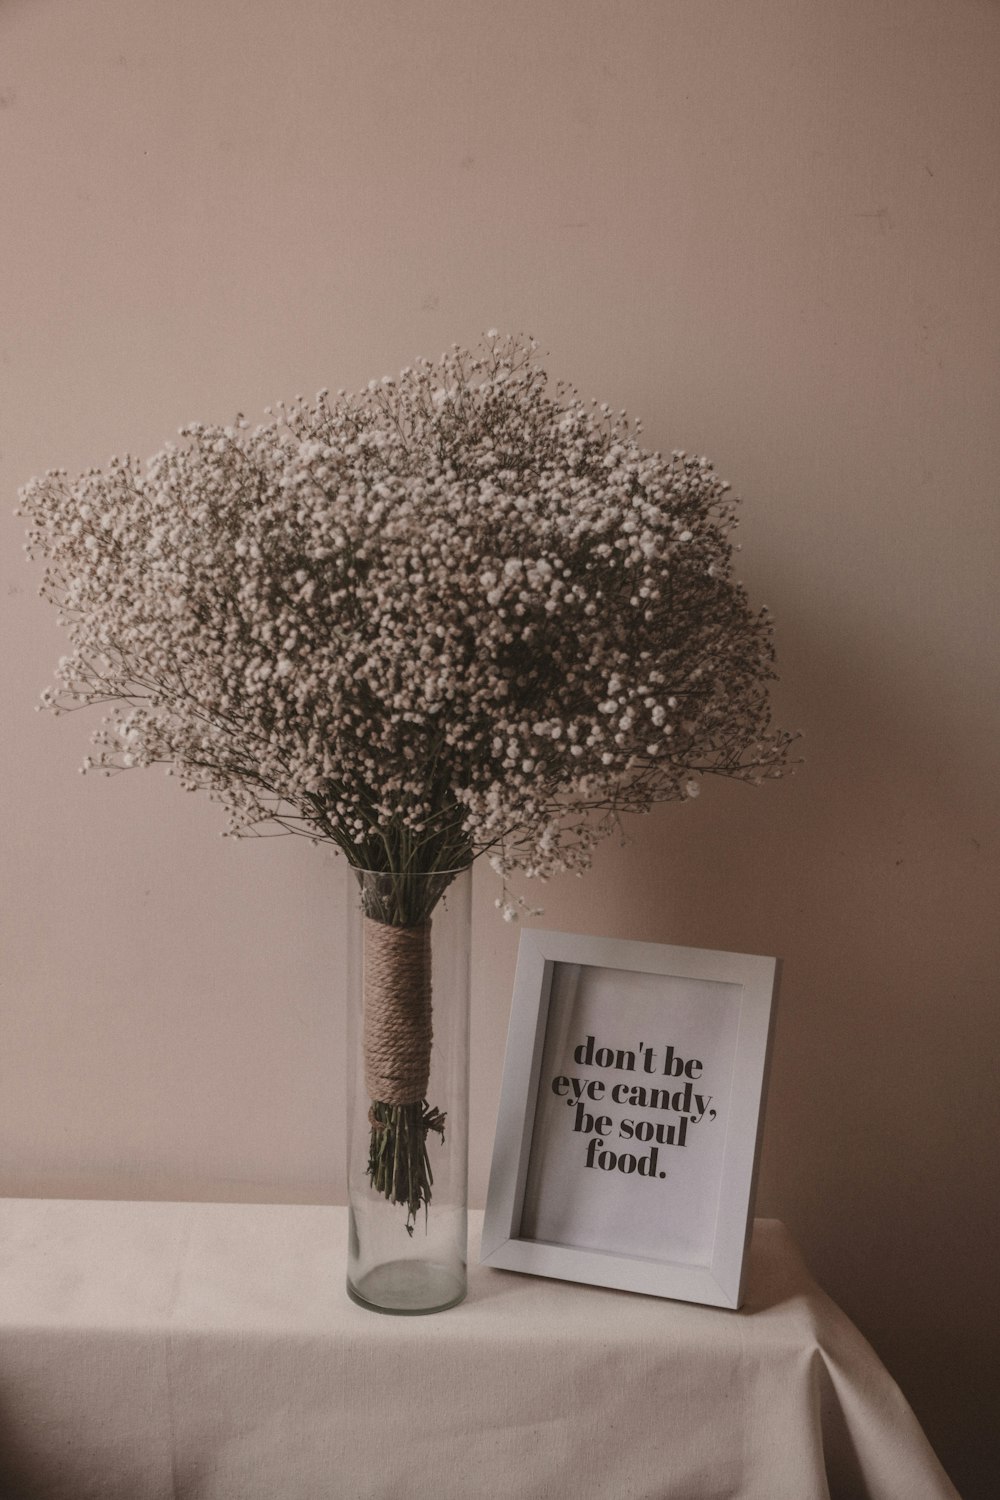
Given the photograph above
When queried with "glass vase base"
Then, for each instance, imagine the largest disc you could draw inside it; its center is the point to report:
(408, 1288)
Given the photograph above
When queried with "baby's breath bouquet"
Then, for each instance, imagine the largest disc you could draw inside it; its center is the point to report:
(459, 613)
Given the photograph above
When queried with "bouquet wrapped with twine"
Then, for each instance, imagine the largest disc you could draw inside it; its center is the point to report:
(460, 612)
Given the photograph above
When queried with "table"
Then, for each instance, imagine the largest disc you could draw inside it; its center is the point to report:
(199, 1351)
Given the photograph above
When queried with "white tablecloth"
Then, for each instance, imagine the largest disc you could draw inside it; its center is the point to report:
(159, 1351)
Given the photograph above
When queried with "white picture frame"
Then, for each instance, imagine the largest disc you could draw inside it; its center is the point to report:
(631, 1030)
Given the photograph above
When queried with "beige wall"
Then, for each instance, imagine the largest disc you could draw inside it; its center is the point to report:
(768, 228)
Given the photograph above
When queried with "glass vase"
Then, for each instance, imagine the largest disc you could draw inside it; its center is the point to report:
(408, 1089)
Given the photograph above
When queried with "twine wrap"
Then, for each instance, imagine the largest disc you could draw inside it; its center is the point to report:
(397, 1021)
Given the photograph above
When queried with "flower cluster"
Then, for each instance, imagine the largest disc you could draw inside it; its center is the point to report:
(458, 612)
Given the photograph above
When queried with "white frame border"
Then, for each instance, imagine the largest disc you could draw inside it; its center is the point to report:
(719, 1284)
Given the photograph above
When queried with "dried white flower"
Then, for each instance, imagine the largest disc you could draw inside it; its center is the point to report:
(444, 616)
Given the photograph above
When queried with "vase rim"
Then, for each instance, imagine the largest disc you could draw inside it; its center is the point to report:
(413, 874)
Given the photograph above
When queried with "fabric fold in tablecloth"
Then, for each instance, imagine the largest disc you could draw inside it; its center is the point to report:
(154, 1351)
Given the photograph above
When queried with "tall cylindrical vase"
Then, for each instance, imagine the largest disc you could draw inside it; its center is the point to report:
(408, 1089)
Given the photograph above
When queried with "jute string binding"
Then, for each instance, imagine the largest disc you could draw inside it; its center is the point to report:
(397, 1024)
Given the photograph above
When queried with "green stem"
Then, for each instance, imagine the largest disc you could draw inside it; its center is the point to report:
(398, 1164)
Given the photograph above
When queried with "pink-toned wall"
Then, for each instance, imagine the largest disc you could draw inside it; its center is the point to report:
(770, 229)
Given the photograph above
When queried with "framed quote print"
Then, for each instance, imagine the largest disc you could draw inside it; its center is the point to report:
(630, 1116)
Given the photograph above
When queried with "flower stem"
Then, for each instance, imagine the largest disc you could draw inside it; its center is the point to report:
(398, 1164)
